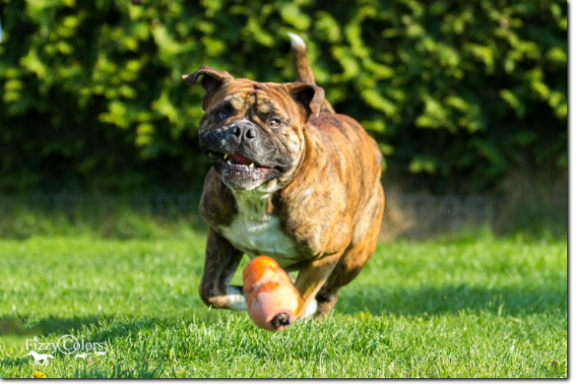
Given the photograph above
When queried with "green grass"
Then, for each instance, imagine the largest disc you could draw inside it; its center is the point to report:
(461, 309)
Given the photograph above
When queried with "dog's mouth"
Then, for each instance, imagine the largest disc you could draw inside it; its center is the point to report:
(239, 161)
(236, 162)
(240, 171)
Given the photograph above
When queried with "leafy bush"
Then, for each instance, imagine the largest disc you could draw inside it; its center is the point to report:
(456, 93)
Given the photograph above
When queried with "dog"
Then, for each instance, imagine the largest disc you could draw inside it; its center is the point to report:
(290, 179)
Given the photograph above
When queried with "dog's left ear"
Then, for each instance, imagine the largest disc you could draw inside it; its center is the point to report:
(310, 96)
(211, 80)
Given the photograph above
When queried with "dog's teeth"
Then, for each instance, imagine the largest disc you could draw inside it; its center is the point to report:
(229, 163)
(252, 165)
(225, 156)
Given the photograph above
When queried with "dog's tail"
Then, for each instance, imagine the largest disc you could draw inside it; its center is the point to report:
(300, 61)
(302, 67)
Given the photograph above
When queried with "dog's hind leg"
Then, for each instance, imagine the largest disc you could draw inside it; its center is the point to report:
(311, 278)
(361, 248)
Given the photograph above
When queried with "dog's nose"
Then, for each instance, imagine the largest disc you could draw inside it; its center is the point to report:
(244, 131)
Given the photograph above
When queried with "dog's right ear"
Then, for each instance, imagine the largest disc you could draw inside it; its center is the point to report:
(211, 80)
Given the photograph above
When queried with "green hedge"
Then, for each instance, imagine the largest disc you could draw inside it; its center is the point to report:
(457, 93)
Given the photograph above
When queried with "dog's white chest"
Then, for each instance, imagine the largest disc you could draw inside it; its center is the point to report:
(255, 233)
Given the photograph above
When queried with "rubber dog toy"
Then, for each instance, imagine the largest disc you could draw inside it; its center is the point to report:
(273, 302)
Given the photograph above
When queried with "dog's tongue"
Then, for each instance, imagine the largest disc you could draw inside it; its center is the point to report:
(237, 158)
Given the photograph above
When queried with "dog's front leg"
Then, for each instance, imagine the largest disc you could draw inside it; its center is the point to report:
(310, 280)
(222, 260)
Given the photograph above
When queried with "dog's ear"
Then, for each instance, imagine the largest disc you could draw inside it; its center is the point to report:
(309, 96)
(211, 80)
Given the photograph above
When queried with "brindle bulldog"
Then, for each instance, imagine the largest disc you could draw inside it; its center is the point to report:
(290, 179)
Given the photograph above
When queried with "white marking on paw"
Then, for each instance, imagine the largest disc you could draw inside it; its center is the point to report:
(236, 301)
(296, 40)
(310, 309)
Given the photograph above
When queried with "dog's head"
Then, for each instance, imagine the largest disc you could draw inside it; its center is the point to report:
(253, 133)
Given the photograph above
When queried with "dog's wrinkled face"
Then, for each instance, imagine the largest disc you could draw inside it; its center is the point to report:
(253, 132)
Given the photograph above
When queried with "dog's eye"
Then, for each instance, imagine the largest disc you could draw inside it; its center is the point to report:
(273, 123)
(221, 115)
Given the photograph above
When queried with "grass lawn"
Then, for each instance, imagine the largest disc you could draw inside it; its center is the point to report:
(465, 309)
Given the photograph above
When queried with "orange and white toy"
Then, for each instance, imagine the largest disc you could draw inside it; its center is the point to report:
(273, 302)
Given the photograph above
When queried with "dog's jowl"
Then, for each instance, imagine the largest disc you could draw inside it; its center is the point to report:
(291, 179)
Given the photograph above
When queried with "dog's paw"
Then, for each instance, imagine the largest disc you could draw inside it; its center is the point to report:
(236, 299)
(310, 309)
(326, 303)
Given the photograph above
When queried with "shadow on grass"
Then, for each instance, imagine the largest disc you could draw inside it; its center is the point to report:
(414, 302)
(52, 325)
(58, 325)
(107, 327)
(451, 300)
